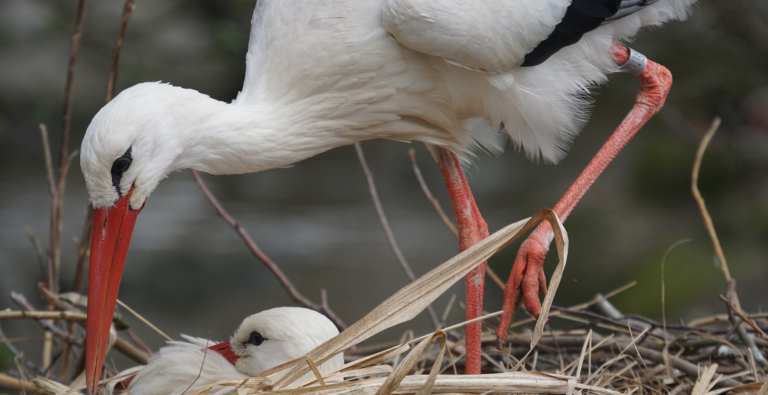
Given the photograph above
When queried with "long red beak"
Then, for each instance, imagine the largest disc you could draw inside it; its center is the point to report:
(226, 351)
(112, 230)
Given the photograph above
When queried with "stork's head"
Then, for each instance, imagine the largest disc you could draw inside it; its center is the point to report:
(128, 148)
(131, 144)
(274, 337)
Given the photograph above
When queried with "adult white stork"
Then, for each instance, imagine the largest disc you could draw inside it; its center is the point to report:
(323, 74)
(261, 342)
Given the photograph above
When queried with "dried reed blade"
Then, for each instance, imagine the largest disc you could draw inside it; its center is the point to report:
(763, 388)
(394, 379)
(587, 342)
(429, 384)
(315, 371)
(702, 383)
(413, 298)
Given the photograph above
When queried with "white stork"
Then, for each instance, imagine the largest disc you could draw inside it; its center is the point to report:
(261, 342)
(326, 73)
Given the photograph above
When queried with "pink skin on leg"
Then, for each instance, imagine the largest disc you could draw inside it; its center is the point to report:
(472, 229)
(527, 276)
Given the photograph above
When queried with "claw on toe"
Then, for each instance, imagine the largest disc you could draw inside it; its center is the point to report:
(499, 343)
(526, 282)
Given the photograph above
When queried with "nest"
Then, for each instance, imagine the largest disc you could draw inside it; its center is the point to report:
(603, 352)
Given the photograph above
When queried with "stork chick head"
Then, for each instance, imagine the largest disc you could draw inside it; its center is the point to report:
(276, 336)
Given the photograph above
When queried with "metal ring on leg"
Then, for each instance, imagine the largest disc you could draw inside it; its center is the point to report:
(636, 63)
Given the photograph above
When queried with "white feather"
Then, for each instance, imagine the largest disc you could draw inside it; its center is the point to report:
(323, 74)
(189, 365)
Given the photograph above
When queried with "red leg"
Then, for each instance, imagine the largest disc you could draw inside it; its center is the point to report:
(472, 229)
(527, 275)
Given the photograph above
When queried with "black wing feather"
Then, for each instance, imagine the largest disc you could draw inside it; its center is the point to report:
(581, 17)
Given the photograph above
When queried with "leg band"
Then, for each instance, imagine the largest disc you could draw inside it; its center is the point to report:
(636, 63)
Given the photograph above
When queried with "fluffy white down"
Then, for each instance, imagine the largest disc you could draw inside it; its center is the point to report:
(291, 332)
(323, 74)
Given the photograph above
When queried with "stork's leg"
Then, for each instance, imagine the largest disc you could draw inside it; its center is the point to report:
(472, 229)
(527, 278)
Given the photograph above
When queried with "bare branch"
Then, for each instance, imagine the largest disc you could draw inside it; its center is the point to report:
(447, 221)
(700, 200)
(128, 8)
(256, 251)
(382, 216)
(83, 251)
(73, 55)
(45, 323)
(130, 351)
(746, 319)
(22, 386)
(748, 341)
(42, 315)
(49, 171)
(39, 252)
(428, 194)
(387, 230)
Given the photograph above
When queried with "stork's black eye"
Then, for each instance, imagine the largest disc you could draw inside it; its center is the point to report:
(256, 338)
(120, 165)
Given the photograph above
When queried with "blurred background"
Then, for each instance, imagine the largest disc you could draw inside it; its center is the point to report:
(188, 272)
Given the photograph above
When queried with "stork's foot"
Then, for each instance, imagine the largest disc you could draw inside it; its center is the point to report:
(526, 282)
(527, 278)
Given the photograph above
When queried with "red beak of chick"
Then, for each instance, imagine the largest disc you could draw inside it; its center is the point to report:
(112, 230)
(225, 350)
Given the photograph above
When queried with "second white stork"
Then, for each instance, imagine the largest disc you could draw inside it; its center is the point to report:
(261, 342)
(324, 74)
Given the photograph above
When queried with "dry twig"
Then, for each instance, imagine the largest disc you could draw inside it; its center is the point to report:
(439, 208)
(125, 17)
(20, 385)
(432, 199)
(746, 339)
(700, 200)
(144, 320)
(271, 265)
(387, 229)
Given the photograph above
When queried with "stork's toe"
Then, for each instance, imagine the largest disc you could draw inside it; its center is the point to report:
(526, 282)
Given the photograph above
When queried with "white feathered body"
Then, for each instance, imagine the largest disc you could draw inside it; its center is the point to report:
(326, 73)
(421, 69)
(175, 367)
(189, 365)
